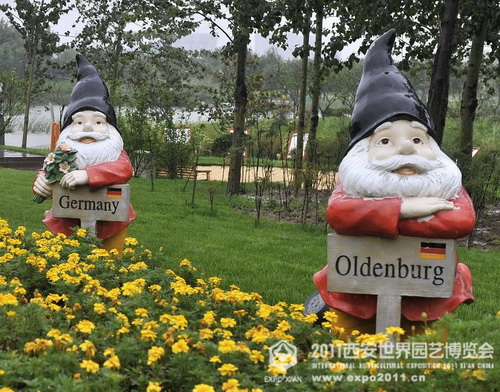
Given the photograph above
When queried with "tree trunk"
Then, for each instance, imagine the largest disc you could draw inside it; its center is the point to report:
(301, 121)
(316, 87)
(240, 107)
(440, 81)
(27, 100)
(468, 104)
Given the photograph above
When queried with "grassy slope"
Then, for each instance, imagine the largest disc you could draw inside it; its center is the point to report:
(276, 260)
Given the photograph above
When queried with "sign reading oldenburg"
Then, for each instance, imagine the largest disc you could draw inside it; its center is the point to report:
(106, 204)
(403, 266)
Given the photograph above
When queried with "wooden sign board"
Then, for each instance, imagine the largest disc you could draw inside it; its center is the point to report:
(391, 268)
(106, 204)
(403, 266)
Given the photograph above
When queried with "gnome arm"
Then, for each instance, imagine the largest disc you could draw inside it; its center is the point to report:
(381, 217)
(359, 216)
(109, 173)
(455, 223)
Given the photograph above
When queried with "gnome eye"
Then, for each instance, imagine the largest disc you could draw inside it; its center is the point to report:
(417, 140)
(385, 141)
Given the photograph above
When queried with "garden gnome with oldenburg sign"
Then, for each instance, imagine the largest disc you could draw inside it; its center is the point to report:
(90, 127)
(395, 181)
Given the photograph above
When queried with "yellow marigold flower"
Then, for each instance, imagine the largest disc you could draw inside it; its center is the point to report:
(99, 308)
(206, 333)
(141, 265)
(89, 366)
(142, 312)
(227, 346)
(227, 322)
(154, 354)
(209, 318)
(130, 289)
(137, 322)
(151, 325)
(215, 359)
(2, 372)
(240, 312)
(11, 313)
(154, 386)
(394, 330)
(311, 318)
(231, 385)
(81, 233)
(203, 388)
(85, 326)
(331, 316)
(180, 346)
(130, 241)
(284, 326)
(256, 356)
(154, 288)
(38, 345)
(185, 263)
(6, 389)
(88, 348)
(62, 340)
(338, 367)
(275, 371)
(112, 363)
(228, 369)
(8, 299)
(479, 374)
(214, 281)
(148, 335)
(109, 352)
(122, 331)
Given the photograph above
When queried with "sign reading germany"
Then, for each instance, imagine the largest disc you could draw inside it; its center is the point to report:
(106, 204)
(404, 266)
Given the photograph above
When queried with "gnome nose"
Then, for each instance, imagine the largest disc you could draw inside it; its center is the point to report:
(406, 148)
(87, 127)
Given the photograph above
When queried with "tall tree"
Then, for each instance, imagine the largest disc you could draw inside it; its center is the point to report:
(484, 24)
(244, 18)
(32, 19)
(441, 70)
(319, 10)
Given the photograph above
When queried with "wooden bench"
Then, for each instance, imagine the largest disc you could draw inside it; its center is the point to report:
(187, 173)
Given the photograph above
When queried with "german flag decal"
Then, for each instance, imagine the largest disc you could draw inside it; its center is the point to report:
(114, 193)
(432, 250)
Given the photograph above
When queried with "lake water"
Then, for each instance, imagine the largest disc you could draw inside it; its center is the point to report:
(41, 117)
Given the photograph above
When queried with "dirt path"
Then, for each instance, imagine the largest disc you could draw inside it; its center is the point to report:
(249, 174)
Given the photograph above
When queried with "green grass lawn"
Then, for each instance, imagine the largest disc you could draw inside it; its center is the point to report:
(277, 260)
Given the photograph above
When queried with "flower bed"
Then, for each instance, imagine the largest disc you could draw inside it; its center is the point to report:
(76, 317)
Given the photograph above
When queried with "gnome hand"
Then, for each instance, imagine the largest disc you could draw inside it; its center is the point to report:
(75, 178)
(42, 187)
(418, 207)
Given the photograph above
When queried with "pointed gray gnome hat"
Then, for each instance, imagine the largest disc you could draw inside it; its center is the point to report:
(384, 94)
(89, 93)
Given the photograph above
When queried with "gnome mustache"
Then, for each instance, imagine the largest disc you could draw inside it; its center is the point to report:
(97, 136)
(420, 164)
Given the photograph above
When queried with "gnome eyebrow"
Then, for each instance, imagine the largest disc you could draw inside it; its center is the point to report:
(383, 126)
(416, 124)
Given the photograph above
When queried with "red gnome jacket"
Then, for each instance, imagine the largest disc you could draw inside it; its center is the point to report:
(380, 217)
(100, 176)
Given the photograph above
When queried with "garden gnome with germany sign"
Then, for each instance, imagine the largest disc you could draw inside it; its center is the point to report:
(395, 181)
(90, 128)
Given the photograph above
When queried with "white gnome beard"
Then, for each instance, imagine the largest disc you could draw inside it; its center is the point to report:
(361, 178)
(90, 154)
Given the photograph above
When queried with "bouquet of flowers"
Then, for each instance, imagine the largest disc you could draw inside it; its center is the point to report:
(56, 165)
